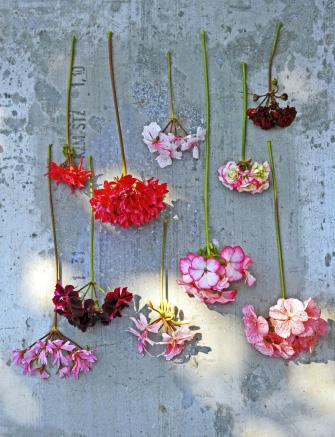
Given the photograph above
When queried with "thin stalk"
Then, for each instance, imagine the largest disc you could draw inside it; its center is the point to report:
(53, 226)
(276, 206)
(279, 25)
(92, 224)
(171, 100)
(244, 116)
(116, 106)
(206, 181)
(68, 94)
(165, 229)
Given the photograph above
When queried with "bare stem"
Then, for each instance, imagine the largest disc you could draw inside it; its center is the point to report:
(244, 116)
(68, 94)
(276, 206)
(165, 229)
(92, 223)
(116, 106)
(279, 25)
(171, 101)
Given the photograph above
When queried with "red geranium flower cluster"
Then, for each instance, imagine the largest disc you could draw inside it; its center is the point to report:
(84, 313)
(70, 174)
(268, 117)
(128, 201)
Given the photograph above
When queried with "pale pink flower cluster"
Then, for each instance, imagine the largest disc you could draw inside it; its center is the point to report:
(170, 146)
(65, 356)
(150, 334)
(293, 327)
(208, 277)
(250, 178)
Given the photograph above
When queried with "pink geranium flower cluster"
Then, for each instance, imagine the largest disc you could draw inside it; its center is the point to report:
(245, 176)
(170, 145)
(292, 327)
(207, 278)
(66, 357)
(164, 330)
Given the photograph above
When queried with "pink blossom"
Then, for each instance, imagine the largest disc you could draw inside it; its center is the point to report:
(245, 177)
(288, 316)
(191, 142)
(18, 356)
(234, 257)
(144, 328)
(175, 342)
(255, 327)
(204, 272)
(83, 361)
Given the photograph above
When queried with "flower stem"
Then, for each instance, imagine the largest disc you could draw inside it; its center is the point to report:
(203, 41)
(165, 229)
(279, 25)
(68, 94)
(275, 200)
(92, 224)
(53, 226)
(116, 106)
(172, 114)
(244, 116)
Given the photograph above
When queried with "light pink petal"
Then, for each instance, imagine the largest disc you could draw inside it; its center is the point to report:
(213, 265)
(238, 255)
(227, 252)
(199, 263)
(208, 280)
(282, 328)
(184, 265)
(232, 274)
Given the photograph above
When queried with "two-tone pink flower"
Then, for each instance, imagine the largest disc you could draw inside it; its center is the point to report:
(208, 277)
(250, 178)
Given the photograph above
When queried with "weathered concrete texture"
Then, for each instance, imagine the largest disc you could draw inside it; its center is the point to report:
(225, 388)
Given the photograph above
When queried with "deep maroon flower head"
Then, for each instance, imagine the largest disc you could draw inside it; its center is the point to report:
(128, 201)
(116, 301)
(267, 117)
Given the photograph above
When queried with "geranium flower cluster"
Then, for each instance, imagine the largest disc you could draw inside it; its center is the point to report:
(54, 350)
(207, 278)
(245, 176)
(273, 115)
(170, 145)
(165, 329)
(70, 174)
(86, 312)
(128, 201)
(292, 327)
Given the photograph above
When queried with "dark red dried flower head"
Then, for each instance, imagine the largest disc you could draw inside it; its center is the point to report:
(268, 117)
(128, 201)
(70, 174)
(84, 313)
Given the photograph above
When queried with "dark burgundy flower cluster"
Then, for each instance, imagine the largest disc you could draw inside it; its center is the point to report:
(267, 117)
(128, 201)
(85, 313)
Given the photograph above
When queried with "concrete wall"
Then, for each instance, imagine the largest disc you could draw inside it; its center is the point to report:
(222, 388)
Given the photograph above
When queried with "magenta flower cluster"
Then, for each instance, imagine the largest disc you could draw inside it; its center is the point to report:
(67, 358)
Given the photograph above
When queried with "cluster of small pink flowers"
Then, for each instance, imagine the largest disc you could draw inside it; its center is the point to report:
(292, 327)
(170, 145)
(245, 177)
(173, 335)
(207, 278)
(67, 358)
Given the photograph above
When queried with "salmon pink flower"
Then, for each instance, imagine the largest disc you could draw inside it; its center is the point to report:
(255, 327)
(175, 342)
(288, 316)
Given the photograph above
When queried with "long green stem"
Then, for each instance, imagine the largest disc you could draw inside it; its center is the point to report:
(276, 206)
(162, 273)
(279, 25)
(53, 226)
(92, 223)
(68, 94)
(244, 116)
(116, 106)
(171, 102)
(206, 181)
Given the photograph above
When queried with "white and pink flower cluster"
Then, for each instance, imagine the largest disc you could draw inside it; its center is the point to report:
(171, 146)
(244, 177)
(293, 327)
(208, 277)
(149, 334)
(65, 356)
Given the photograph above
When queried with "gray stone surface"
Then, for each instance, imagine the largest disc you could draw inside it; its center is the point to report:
(230, 390)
